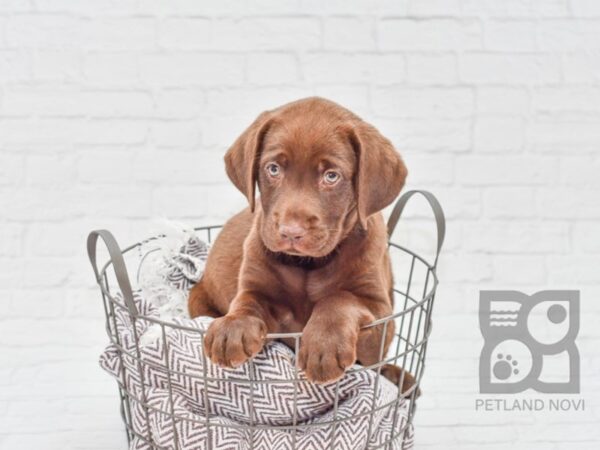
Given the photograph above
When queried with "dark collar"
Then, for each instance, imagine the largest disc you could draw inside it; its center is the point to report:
(302, 262)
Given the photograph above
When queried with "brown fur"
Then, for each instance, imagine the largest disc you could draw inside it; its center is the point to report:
(327, 277)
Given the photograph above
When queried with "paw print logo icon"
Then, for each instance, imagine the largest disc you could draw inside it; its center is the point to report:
(503, 368)
(529, 342)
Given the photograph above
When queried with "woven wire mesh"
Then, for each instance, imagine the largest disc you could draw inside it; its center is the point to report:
(415, 284)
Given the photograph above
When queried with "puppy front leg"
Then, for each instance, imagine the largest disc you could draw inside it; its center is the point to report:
(330, 337)
(239, 335)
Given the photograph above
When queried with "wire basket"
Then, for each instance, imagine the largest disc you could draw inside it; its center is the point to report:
(415, 283)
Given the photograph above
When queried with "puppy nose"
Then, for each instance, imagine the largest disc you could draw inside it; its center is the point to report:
(291, 231)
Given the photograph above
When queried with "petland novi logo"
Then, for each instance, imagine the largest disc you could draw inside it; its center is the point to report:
(529, 342)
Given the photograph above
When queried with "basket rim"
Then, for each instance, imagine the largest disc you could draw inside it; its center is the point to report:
(431, 269)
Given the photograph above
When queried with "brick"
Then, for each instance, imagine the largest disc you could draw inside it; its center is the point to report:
(58, 332)
(425, 170)
(349, 33)
(580, 171)
(431, 34)
(179, 103)
(432, 69)
(586, 237)
(14, 65)
(355, 98)
(193, 202)
(76, 304)
(111, 68)
(173, 168)
(63, 65)
(17, 131)
(272, 68)
(520, 270)
(107, 33)
(115, 104)
(57, 102)
(569, 203)
(11, 238)
(460, 202)
(12, 168)
(387, 68)
(358, 7)
(435, 435)
(564, 99)
(433, 135)
(111, 131)
(502, 100)
(27, 204)
(334, 68)
(280, 33)
(585, 8)
(50, 170)
(191, 7)
(14, 6)
(431, 103)
(478, 434)
(516, 8)
(100, 7)
(554, 8)
(43, 31)
(186, 33)
(221, 130)
(47, 272)
(498, 134)
(509, 202)
(467, 268)
(427, 8)
(510, 35)
(60, 203)
(52, 239)
(26, 303)
(561, 35)
(490, 170)
(180, 133)
(522, 237)
(509, 68)
(581, 67)
(3, 21)
(575, 135)
(200, 69)
(352, 68)
(100, 167)
(57, 131)
(418, 230)
(246, 103)
(110, 201)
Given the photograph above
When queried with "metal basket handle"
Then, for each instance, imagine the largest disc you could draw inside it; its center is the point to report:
(118, 264)
(438, 213)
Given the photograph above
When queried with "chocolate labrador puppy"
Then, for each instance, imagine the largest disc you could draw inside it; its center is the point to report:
(311, 254)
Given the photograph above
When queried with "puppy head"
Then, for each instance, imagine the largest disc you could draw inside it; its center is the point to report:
(320, 170)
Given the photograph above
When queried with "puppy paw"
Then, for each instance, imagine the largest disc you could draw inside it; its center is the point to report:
(230, 341)
(325, 356)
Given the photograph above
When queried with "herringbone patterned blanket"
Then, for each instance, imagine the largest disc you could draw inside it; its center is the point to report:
(192, 404)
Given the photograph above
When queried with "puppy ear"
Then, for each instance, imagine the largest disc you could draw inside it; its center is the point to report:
(241, 160)
(381, 173)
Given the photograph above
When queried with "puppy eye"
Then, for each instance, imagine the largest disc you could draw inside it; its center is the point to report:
(331, 177)
(273, 170)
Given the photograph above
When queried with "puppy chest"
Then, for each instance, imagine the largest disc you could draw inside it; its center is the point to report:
(305, 286)
(293, 303)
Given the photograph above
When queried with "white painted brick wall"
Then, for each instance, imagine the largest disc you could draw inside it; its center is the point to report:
(116, 112)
